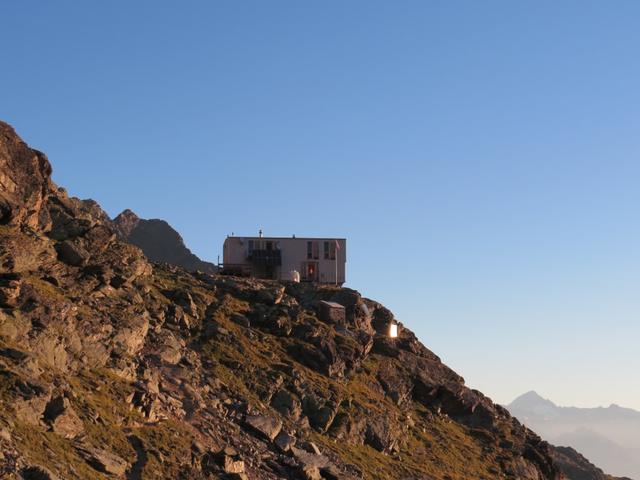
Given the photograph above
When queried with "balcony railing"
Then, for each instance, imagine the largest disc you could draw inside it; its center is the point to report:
(265, 258)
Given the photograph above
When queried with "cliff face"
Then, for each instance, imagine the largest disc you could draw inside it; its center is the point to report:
(159, 241)
(111, 367)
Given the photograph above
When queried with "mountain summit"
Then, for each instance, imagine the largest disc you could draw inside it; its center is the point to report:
(534, 403)
(112, 366)
(531, 399)
(159, 241)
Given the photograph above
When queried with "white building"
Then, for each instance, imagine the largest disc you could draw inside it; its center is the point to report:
(321, 260)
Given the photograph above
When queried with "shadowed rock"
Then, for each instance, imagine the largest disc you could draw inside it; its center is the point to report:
(159, 242)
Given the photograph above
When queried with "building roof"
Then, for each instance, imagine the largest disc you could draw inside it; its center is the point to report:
(285, 238)
(332, 304)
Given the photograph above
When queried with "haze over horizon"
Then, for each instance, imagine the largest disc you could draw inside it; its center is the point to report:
(534, 397)
(481, 160)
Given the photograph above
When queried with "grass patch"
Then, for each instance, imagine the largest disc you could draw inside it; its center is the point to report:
(168, 448)
(53, 452)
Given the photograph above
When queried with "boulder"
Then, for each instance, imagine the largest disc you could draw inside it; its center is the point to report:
(284, 441)
(170, 350)
(62, 418)
(132, 333)
(310, 464)
(64, 225)
(382, 434)
(287, 404)
(220, 465)
(32, 409)
(233, 466)
(51, 350)
(267, 427)
(10, 288)
(103, 460)
(322, 418)
(72, 253)
(184, 300)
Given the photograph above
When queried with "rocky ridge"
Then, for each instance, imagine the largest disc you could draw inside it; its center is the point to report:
(159, 241)
(114, 367)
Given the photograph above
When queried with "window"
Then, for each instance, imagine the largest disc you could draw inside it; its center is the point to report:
(313, 250)
(330, 250)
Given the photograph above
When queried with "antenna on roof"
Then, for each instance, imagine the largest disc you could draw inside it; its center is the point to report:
(260, 233)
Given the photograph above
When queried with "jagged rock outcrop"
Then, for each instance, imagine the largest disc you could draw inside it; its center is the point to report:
(114, 367)
(159, 242)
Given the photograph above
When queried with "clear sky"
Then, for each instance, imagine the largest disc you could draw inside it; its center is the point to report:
(482, 158)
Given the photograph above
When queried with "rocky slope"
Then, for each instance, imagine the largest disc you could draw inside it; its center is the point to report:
(159, 241)
(112, 367)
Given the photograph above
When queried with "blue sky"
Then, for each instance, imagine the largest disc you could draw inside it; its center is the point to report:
(482, 158)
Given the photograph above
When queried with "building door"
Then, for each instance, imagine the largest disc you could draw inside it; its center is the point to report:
(310, 271)
(268, 272)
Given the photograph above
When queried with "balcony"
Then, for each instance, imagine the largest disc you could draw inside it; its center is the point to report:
(265, 258)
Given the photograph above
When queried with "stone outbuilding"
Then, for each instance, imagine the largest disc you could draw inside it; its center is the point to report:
(332, 312)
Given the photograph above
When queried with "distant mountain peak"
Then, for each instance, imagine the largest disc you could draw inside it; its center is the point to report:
(532, 400)
(607, 436)
(532, 394)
